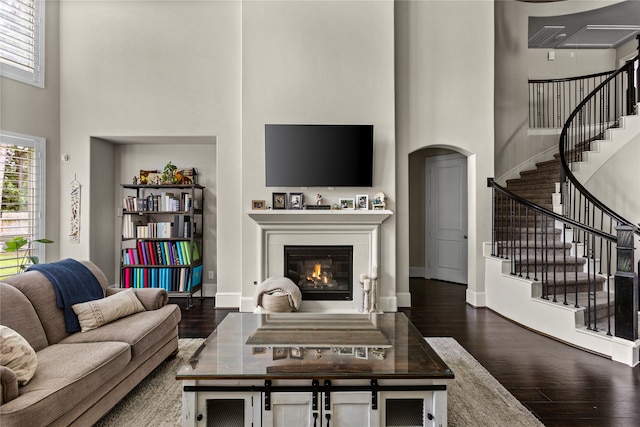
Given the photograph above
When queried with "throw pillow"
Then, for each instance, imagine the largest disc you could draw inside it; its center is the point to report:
(93, 314)
(17, 354)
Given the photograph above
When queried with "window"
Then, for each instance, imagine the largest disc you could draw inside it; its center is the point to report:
(22, 178)
(22, 40)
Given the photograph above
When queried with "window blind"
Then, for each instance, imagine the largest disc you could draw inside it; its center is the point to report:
(22, 194)
(21, 40)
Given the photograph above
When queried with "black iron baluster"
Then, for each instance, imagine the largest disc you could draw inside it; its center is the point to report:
(535, 245)
(520, 238)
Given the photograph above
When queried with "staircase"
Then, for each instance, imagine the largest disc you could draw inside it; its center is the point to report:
(555, 247)
(549, 254)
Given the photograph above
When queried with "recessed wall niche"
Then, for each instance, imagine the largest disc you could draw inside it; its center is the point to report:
(116, 160)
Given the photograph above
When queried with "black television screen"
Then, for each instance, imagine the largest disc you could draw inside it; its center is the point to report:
(319, 155)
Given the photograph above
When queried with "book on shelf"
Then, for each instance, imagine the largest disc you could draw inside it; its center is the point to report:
(164, 202)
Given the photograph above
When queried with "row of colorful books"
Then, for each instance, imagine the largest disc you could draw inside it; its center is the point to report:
(149, 252)
(172, 279)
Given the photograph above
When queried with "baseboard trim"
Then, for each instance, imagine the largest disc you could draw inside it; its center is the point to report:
(417, 272)
(228, 299)
(476, 299)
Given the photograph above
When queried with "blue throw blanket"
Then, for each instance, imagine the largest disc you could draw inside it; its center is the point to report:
(73, 283)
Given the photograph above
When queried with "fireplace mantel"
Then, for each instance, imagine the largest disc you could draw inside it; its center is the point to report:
(359, 228)
(320, 216)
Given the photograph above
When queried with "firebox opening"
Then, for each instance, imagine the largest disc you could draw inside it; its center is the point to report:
(321, 272)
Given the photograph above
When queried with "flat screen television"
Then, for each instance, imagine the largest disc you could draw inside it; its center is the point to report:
(318, 155)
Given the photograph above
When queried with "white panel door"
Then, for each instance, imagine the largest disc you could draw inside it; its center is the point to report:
(289, 409)
(351, 409)
(447, 218)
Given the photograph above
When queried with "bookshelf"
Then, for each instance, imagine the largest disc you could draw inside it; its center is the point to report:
(161, 238)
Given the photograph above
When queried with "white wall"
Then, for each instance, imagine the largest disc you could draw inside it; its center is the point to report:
(317, 62)
(30, 110)
(145, 68)
(569, 63)
(606, 183)
(445, 69)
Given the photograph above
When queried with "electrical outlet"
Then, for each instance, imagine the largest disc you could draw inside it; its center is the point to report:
(210, 274)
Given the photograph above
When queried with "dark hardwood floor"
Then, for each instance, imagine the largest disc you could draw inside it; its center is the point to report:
(561, 385)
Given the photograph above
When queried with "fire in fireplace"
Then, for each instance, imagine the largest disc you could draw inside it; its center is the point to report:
(321, 272)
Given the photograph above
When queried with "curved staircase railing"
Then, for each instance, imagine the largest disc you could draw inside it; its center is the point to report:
(601, 110)
(582, 256)
(551, 101)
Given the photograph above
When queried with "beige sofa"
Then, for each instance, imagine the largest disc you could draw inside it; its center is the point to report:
(79, 376)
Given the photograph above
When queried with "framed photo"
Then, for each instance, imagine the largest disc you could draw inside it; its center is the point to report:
(258, 350)
(346, 203)
(279, 200)
(144, 176)
(362, 353)
(295, 200)
(362, 201)
(258, 204)
(344, 350)
(280, 353)
(296, 352)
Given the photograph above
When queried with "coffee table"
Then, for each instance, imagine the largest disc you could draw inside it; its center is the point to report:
(310, 369)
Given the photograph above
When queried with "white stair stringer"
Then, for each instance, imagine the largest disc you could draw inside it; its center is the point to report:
(604, 149)
(600, 152)
(519, 299)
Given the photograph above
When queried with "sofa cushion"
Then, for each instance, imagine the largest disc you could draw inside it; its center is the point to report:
(17, 313)
(65, 374)
(17, 355)
(93, 314)
(141, 330)
(151, 298)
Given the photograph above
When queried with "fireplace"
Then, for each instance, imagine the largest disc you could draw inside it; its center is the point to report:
(321, 272)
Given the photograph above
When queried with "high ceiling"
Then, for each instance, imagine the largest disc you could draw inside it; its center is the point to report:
(604, 28)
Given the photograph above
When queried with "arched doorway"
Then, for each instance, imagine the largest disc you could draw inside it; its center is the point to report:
(438, 215)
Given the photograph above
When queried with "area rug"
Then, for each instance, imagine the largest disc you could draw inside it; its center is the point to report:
(475, 398)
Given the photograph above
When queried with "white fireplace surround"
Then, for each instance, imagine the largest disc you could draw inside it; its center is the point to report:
(357, 228)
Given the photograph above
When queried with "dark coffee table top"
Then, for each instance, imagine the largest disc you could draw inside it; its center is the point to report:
(312, 345)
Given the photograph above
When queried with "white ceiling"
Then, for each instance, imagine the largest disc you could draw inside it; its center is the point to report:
(604, 28)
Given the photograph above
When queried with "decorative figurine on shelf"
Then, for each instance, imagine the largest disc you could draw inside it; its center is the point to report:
(135, 180)
(318, 199)
(379, 201)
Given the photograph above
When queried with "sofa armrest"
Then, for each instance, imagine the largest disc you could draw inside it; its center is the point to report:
(151, 298)
(8, 385)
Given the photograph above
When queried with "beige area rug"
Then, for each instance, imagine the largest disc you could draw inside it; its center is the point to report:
(475, 398)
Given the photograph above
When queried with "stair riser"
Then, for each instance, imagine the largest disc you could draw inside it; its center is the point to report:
(531, 253)
(510, 234)
(526, 225)
(551, 268)
(571, 289)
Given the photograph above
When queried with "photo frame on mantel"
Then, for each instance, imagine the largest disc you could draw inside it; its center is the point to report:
(362, 201)
(296, 200)
(279, 201)
(347, 203)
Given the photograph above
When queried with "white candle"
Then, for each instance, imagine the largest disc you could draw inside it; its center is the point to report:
(362, 277)
(374, 271)
(367, 284)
